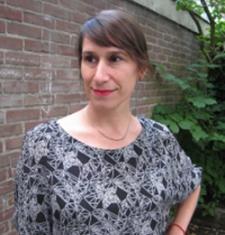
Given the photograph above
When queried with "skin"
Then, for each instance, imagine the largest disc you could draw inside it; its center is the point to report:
(185, 212)
(109, 76)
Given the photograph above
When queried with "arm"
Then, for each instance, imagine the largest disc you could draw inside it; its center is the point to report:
(32, 193)
(184, 213)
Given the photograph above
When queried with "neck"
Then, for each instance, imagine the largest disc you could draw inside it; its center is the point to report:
(108, 118)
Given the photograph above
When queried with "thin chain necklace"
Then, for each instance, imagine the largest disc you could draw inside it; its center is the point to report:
(116, 139)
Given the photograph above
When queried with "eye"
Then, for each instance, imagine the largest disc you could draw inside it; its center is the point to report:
(89, 59)
(115, 58)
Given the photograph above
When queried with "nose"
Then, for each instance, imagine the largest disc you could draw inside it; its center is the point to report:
(101, 73)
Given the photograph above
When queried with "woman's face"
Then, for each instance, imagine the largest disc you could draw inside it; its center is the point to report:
(109, 75)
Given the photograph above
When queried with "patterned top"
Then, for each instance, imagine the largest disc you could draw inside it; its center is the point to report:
(65, 187)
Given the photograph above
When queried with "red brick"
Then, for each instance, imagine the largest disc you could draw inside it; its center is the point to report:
(60, 25)
(11, 101)
(13, 143)
(58, 37)
(26, 4)
(2, 27)
(67, 99)
(65, 87)
(31, 100)
(69, 4)
(10, 43)
(56, 11)
(2, 204)
(1, 59)
(15, 87)
(31, 124)
(2, 117)
(10, 199)
(38, 74)
(4, 174)
(23, 30)
(74, 63)
(64, 50)
(22, 115)
(37, 46)
(173, 59)
(5, 160)
(13, 163)
(66, 26)
(78, 16)
(52, 1)
(6, 214)
(6, 187)
(4, 227)
(8, 73)
(12, 170)
(98, 4)
(1, 147)
(73, 41)
(14, 232)
(161, 57)
(10, 130)
(55, 112)
(46, 87)
(69, 74)
(41, 20)
(78, 6)
(10, 14)
(52, 61)
(163, 43)
(21, 58)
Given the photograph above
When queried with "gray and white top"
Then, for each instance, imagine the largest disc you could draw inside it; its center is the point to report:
(65, 187)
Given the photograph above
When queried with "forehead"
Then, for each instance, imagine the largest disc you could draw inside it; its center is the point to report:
(91, 46)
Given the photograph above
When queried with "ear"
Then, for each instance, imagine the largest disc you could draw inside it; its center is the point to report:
(142, 72)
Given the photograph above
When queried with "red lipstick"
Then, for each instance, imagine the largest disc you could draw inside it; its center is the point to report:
(102, 92)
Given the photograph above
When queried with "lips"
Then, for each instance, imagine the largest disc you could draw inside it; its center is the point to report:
(103, 92)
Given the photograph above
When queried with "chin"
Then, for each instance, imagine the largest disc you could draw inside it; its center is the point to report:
(101, 106)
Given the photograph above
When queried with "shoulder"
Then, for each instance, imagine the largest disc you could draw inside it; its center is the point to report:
(38, 140)
(45, 127)
(155, 127)
(159, 133)
(42, 131)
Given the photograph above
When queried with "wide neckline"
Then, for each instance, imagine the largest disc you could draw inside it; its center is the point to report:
(95, 148)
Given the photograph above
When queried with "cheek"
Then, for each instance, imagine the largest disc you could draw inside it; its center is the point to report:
(85, 73)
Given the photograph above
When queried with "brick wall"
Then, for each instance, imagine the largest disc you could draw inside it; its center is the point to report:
(39, 76)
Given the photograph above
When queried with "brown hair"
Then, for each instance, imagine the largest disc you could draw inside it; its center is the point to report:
(116, 28)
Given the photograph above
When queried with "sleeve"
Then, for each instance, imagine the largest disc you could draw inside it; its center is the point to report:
(185, 175)
(32, 195)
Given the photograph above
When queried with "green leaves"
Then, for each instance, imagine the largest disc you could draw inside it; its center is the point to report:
(201, 101)
(194, 121)
(219, 55)
(198, 118)
(186, 124)
(189, 5)
(198, 133)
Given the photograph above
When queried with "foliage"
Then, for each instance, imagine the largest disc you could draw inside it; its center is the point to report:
(198, 118)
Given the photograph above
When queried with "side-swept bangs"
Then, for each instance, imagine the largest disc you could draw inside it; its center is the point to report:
(115, 28)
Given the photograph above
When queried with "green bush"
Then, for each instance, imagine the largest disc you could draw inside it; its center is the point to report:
(198, 118)
(202, 135)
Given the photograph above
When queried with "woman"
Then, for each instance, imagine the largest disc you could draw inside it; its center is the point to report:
(102, 170)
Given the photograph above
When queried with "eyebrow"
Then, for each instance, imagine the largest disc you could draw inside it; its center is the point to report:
(118, 51)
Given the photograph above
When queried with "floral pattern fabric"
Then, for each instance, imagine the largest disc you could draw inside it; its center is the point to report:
(65, 187)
